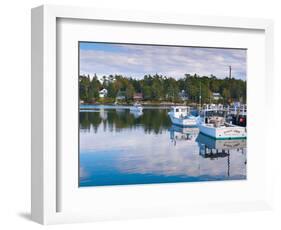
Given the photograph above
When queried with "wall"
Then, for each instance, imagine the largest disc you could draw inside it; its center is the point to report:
(15, 111)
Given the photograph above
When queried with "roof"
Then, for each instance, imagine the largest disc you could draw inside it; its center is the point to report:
(138, 95)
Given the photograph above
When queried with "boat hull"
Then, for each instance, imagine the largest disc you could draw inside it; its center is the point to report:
(232, 132)
(188, 122)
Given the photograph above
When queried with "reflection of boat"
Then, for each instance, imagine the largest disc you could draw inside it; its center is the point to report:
(221, 144)
(212, 123)
(136, 113)
(211, 148)
(180, 115)
(183, 133)
(136, 107)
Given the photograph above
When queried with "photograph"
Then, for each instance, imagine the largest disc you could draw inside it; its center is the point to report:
(156, 113)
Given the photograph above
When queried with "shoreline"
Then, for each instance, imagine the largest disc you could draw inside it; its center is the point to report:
(156, 104)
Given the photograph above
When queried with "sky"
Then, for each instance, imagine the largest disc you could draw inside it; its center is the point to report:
(135, 61)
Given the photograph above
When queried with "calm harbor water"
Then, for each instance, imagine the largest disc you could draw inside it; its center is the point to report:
(118, 147)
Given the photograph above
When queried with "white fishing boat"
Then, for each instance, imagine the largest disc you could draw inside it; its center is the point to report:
(212, 123)
(180, 115)
(238, 114)
(136, 107)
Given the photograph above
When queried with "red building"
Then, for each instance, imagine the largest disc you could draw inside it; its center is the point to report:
(138, 97)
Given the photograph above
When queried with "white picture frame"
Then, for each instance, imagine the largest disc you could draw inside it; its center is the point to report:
(46, 183)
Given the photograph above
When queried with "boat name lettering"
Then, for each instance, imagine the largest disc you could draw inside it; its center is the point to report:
(231, 131)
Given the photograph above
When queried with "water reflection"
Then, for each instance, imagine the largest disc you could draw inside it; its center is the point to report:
(118, 147)
(210, 146)
(153, 120)
(187, 134)
(136, 114)
(212, 149)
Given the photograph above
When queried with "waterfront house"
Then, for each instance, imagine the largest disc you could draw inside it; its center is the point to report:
(216, 96)
(183, 95)
(103, 93)
(138, 97)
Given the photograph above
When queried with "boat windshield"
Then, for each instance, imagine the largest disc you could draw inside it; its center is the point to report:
(182, 110)
(217, 113)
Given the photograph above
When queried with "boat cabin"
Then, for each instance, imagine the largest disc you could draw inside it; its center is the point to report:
(213, 115)
(180, 111)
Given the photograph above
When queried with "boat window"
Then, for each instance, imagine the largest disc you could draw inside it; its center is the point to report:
(177, 110)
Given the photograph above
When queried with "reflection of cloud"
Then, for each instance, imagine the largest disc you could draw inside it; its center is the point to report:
(139, 153)
(83, 173)
(138, 60)
(161, 162)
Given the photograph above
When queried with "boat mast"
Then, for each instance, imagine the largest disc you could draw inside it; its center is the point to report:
(229, 76)
(200, 97)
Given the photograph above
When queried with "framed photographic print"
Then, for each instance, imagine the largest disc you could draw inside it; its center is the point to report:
(138, 114)
(140, 127)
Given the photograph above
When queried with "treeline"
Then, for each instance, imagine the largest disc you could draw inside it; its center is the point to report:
(162, 88)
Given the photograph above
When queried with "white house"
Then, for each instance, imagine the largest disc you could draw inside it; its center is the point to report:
(103, 93)
(216, 96)
(183, 95)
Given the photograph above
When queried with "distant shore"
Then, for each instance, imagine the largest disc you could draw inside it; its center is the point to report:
(145, 103)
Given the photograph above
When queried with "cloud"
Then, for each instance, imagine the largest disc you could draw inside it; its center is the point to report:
(138, 60)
